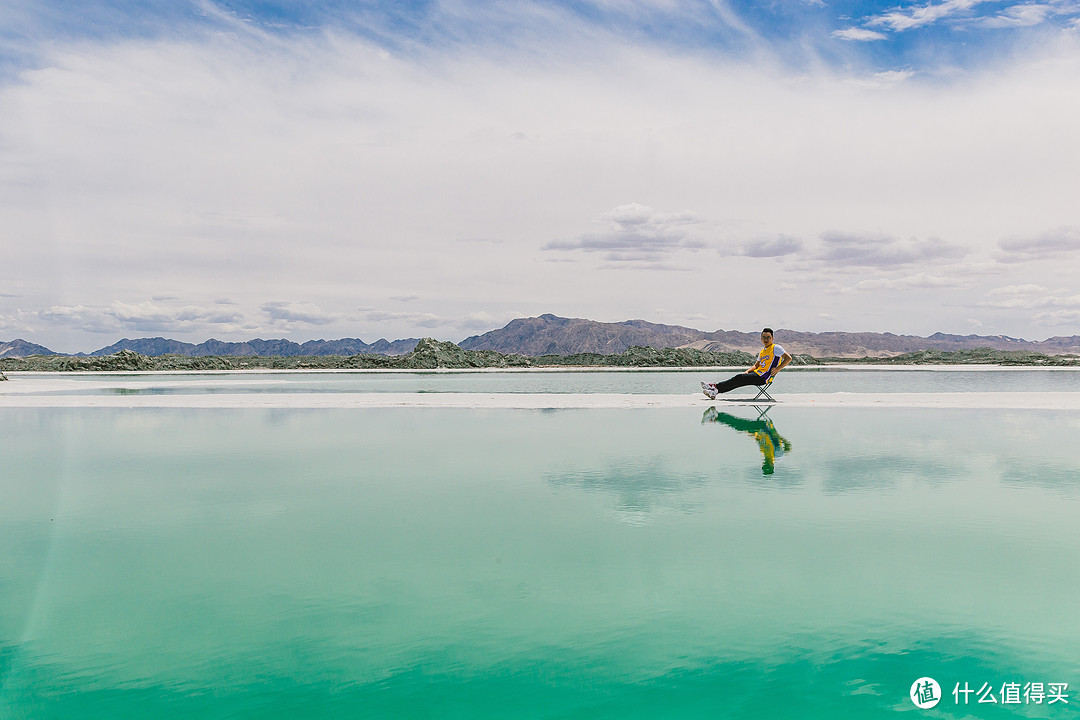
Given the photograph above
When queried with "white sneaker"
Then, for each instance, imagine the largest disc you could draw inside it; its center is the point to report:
(709, 389)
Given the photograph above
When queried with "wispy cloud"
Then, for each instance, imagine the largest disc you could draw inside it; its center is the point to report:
(845, 249)
(1029, 297)
(1019, 16)
(1016, 290)
(969, 14)
(144, 317)
(765, 247)
(419, 319)
(1040, 305)
(921, 15)
(636, 234)
(1057, 243)
(920, 281)
(209, 160)
(466, 324)
(16, 323)
(1057, 318)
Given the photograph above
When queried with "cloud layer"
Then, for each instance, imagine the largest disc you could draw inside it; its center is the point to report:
(635, 233)
(337, 182)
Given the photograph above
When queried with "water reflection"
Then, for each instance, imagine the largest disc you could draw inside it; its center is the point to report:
(640, 486)
(770, 442)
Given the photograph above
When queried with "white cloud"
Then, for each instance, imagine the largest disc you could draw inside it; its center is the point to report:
(1051, 244)
(330, 170)
(1019, 16)
(845, 249)
(14, 324)
(920, 281)
(482, 321)
(290, 313)
(1056, 318)
(1029, 297)
(964, 11)
(859, 35)
(145, 317)
(1014, 290)
(418, 319)
(765, 247)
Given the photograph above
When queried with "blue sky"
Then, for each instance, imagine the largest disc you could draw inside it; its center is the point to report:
(371, 169)
(878, 36)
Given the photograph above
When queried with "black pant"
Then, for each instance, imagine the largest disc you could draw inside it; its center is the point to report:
(740, 380)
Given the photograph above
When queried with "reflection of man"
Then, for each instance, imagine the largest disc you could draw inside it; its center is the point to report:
(771, 359)
(769, 441)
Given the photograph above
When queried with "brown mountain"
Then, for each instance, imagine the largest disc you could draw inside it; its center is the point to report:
(549, 334)
(22, 348)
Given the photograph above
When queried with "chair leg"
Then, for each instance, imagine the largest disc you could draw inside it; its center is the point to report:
(764, 391)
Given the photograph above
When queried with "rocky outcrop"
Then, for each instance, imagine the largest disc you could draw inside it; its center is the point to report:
(431, 354)
(979, 356)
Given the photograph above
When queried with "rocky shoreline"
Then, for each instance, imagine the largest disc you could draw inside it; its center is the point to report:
(432, 354)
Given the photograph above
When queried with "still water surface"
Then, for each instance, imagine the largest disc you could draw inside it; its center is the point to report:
(444, 563)
(662, 382)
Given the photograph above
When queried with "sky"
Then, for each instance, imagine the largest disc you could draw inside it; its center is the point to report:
(436, 168)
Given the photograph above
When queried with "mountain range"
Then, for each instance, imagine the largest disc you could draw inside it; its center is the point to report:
(550, 334)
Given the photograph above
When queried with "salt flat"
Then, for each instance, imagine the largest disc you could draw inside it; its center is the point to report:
(288, 390)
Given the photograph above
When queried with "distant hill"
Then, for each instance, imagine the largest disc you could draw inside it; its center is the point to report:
(22, 348)
(158, 346)
(553, 335)
(549, 334)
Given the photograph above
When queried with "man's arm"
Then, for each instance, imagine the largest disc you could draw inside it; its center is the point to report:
(784, 360)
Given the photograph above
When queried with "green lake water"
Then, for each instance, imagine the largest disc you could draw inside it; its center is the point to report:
(444, 563)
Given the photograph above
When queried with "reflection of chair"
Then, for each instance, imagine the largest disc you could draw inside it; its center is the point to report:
(764, 391)
(771, 444)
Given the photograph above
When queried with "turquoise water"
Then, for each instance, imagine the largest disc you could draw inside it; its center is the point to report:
(445, 563)
(796, 380)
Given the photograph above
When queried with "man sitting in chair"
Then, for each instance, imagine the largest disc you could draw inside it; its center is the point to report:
(771, 360)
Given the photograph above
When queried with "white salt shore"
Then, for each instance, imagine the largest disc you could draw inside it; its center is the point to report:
(62, 390)
(1009, 401)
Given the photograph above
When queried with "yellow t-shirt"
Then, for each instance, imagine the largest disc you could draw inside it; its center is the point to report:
(768, 358)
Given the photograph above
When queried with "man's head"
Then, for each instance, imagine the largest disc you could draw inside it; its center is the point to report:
(766, 337)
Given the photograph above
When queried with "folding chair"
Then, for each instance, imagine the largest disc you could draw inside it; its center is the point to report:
(763, 391)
